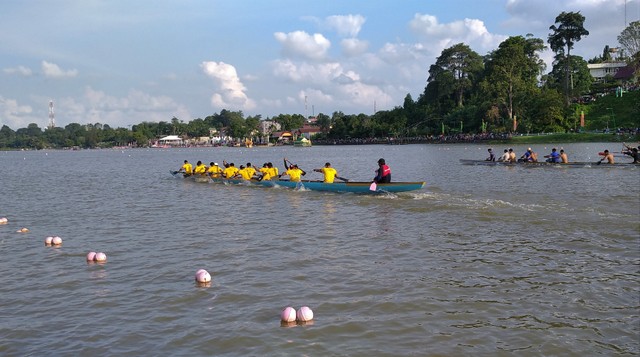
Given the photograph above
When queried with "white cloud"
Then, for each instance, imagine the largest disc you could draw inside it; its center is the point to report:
(21, 70)
(231, 91)
(303, 72)
(353, 47)
(299, 44)
(329, 85)
(346, 25)
(14, 115)
(472, 32)
(52, 70)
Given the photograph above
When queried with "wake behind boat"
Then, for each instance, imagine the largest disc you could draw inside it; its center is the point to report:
(544, 163)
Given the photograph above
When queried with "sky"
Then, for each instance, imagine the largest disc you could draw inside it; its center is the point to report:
(123, 62)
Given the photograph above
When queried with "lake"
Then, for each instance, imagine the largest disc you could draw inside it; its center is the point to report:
(482, 261)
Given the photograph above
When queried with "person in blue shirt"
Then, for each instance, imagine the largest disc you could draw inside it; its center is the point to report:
(554, 156)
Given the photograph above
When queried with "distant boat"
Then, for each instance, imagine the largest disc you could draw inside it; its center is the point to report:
(547, 164)
(302, 142)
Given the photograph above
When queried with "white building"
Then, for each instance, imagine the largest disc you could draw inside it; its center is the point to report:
(600, 70)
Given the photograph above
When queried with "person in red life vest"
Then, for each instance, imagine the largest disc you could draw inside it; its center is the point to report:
(383, 173)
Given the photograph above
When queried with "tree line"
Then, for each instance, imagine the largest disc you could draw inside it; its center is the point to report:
(465, 92)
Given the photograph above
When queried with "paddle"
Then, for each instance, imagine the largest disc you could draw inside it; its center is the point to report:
(173, 172)
(373, 186)
(342, 178)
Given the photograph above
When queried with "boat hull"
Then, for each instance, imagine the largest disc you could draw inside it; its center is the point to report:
(354, 187)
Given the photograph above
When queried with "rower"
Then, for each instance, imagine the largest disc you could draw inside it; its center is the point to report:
(633, 152)
(492, 156)
(505, 157)
(214, 170)
(329, 172)
(383, 173)
(563, 157)
(186, 168)
(200, 168)
(607, 156)
(293, 172)
(553, 157)
(230, 171)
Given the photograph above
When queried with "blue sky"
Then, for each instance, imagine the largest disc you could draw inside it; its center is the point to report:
(122, 62)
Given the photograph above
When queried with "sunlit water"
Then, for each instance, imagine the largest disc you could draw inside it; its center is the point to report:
(482, 261)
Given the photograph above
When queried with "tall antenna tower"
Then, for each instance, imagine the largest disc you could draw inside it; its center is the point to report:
(52, 120)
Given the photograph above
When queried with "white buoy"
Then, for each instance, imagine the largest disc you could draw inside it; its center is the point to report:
(100, 257)
(288, 314)
(48, 240)
(304, 314)
(203, 276)
(56, 240)
(91, 256)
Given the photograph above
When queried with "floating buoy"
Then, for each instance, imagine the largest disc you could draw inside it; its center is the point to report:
(23, 230)
(91, 256)
(203, 276)
(100, 257)
(304, 314)
(56, 240)
(288, 314)
(4, 220)
(48, 240)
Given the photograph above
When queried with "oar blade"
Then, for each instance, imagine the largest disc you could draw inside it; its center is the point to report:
(373, 186)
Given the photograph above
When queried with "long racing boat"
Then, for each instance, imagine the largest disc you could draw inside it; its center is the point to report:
(547, 164)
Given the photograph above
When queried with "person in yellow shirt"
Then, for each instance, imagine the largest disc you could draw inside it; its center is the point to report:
(273, 171)
(264, 171)
(251, 171)
(214, 170)
(200, 168)
(186, 168)
(294, 173)
(329, 173)
(246, 172)
(230, 171)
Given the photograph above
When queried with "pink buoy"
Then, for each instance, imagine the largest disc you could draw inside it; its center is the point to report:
(91, 256)
(100, 257)
(48, 241)
(304, 314)
(288, 314)
(56, 240)
(203, 276)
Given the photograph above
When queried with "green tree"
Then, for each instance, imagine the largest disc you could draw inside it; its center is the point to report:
(455, 71)
(569, 30)
(324, 122)
(7, 136)
(629, 39)
(581, 78)
(512, 71)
